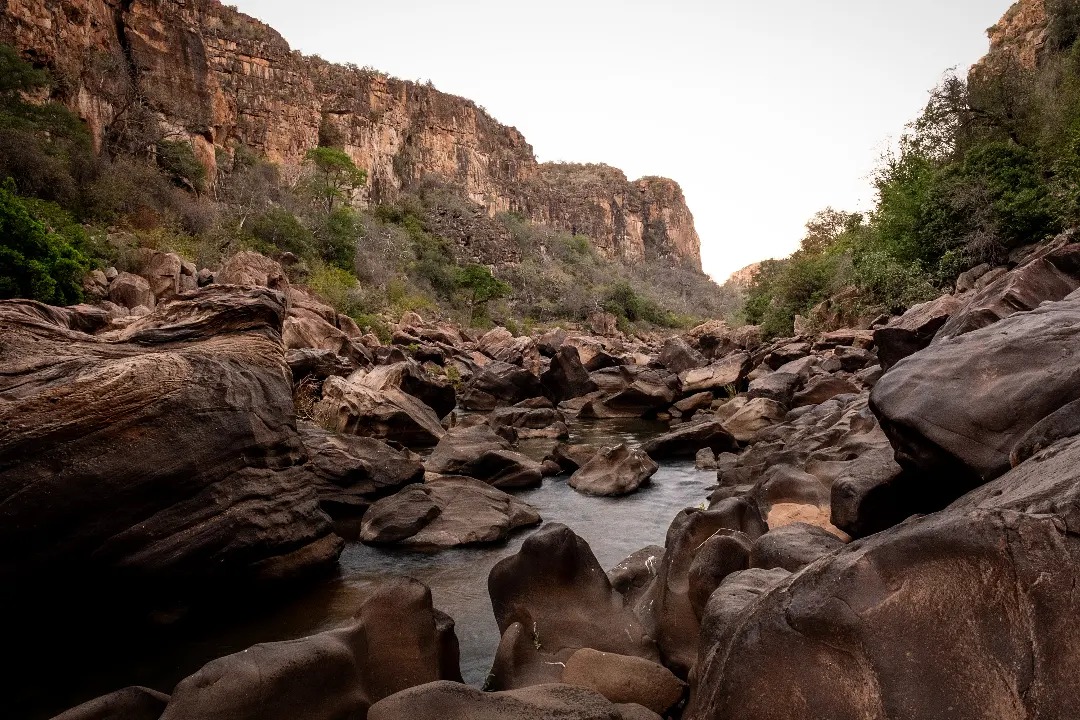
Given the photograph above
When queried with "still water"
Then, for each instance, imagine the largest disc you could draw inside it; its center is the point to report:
(613, 527)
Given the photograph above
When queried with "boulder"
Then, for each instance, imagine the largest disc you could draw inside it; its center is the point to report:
(132, 703)
(969, 609)
(914, 330)
(630, 391)
(713, 339)
(531, 419)
(478, 452)
(966, 280)
(1024, 288)
(252, 269)
(614, 471)
(131, 291)
(989, 388)
(550, 342)
(634, 574)
(667, 607)
(161, 270)
(412, 378)
(566, 378)
(678, 357)
(778, 386)
(551, 599)
(353, 408)
(396, 640)
(726, 551)
(161, 457)
(792, 547)
(454, 701)
(822, 388)
(446, 512)
(725, 375)
(571, 457)
(592, 353)
(351, 472)
(754, 416)
(686, 440)
(788, 352)
(500, 383)
(690, 405)
(319, 364)
(604, 324)
(500, 344)
(624, 679)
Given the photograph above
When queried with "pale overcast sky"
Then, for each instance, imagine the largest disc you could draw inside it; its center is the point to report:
(765, 112)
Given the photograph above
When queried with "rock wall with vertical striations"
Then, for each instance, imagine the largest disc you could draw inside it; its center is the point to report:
(221, 79)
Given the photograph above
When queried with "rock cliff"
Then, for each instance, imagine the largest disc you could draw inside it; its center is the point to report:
(1019, 38)
(207, 73)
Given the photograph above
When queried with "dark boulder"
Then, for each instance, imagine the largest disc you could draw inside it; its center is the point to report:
(614, 471)
(792, 547)
(678, 357)
(454, 701)
(351, 472)
(914, 330)
(500, 383)
(132, 703)
(566, 377)
(478, 452)
(686, 440)
(724, 375)
(551, 599)
(412, 378)
(396, 640)
(350, 407)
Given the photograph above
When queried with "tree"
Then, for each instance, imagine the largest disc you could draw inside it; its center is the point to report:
(481, 287)
(334, 175)
(17, 75)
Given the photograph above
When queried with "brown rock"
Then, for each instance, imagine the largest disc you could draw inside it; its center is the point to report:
(391, 414)
(131, 291)
(624, 679)
(133, 703)
(614, 471)
(252, 269)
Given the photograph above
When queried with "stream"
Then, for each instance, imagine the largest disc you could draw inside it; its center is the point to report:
(613, 527)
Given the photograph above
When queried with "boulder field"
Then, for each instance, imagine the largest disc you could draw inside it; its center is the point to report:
(892, 533)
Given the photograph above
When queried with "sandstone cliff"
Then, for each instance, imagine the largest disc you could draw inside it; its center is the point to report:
(1018, 38)
(222, 79)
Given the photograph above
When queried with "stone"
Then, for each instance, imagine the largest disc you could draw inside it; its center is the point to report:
(531, 420)
(788, 352)
(551, 599)
(318, 364)
(614, 471)
(686, 440)
(566, 378)
(725, 552)
(778, 386)
(500, 344)
(712, 339)
(729, 373)
(823, 388)
(914, 330)
(667, 607)
(792, 547)
(624, 679)
(551, 342)
(350, 473)
(966, 280)
(678, 357)
(990, 387)
(446, 512)
(131, 291)
(395, 641)
(411, 378)
(161, 270)
(252, 269)
(500, 383)
(478, 452)
(447, 700)
(603, 323)
(1024, 288)
(705, 459)
(392, 415)
(132, 703)
(571, 457)
(161, 457)
(633, 575)
(690, 405)
(754, 416)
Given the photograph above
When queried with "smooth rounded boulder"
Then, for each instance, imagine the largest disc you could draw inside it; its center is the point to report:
(624, 679)
(454, 701)
(132, 703)
(479, 452)
(614, 471)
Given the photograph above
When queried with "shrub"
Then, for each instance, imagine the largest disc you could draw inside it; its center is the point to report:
(177, 158)
(337, 287)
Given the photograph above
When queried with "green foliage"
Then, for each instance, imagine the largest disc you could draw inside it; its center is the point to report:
(480, 287)
(337, 287)
(278, 230)
(177, 159)
(17, 75)
(333, 176)
(35, 261)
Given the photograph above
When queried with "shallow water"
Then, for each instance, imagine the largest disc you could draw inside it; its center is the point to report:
(613, 527)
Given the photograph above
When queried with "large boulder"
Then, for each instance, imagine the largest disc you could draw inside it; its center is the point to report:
(686, 440)
(1024, 288)
(678, 357)
(412, 378)
(727, 375)
(959, 407)
(131, 291)
(756, 415)
(631, 391)
(314, 325)
(667, 607)
(551, 599)
(531, 419)
(252, 269)
(349, 406)
(792, 547)
(499, 383)
(446, 512)
(500, 344)
(614, 471)
(396, 640)
(624, 679)
(160, 457)
(454, 701)
(132, 703)
(351, 472)
(479, 452)
(161, 270)
(567, 377)
(914, 330)
(969, 610)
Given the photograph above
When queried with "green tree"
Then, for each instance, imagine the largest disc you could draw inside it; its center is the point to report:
(17, 75)
(481, 287)
(35, 262)
(333, 176)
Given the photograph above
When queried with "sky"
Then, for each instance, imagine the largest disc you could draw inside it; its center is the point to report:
(764, 112)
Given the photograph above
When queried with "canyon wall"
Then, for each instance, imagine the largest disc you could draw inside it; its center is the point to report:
(222, 80)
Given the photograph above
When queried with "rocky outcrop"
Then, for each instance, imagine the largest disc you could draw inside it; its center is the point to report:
(160, 455)
(219, 79)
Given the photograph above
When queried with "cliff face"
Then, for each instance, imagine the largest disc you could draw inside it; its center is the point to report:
(1018, 38)
(222, 79)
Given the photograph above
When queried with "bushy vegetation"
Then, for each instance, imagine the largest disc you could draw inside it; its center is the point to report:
(146, 188)
(991, 164)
